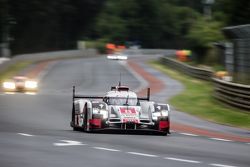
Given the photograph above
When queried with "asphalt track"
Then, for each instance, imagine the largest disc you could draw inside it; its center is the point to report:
(35, 131)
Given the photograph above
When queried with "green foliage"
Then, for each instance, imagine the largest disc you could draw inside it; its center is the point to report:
(51, 25)
(99, 44)
(235, 12)
(204, 32)
(13, 70)
(112, 27)
(153, 23)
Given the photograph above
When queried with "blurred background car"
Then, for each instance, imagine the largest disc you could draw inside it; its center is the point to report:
(117, 56)
(19, 84)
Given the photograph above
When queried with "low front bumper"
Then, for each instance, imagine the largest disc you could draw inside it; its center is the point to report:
(162, 125)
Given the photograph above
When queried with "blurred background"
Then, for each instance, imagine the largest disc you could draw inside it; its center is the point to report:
(44, 25)
(41, 25)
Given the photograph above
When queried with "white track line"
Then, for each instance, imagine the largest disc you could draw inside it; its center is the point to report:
(142, 154)
(221, 165)
(189, 134)
(25, 134)
(183, 160)
(219, 139)
(68, 143)
(106, 149)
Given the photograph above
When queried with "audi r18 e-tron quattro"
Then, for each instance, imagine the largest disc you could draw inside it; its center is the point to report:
(119, 109)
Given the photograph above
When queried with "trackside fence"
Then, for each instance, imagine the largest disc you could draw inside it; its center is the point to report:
(196, 72)
(236, 95)
(44, 56)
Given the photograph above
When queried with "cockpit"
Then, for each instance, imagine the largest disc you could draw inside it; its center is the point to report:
(120, 101)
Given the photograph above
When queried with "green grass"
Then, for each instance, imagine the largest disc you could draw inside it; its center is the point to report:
(197, 100)
(13, 69)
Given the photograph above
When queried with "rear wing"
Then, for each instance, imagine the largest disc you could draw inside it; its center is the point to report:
(145, 98)
(82, 97)
(101, 97)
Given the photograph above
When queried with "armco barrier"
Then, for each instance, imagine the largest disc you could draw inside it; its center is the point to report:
(200, 73)
(149, 51)
(35, 57)
(237, 95)
(233, 94)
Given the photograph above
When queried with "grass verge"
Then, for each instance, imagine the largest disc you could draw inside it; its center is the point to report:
(197, 100)
(13, 69)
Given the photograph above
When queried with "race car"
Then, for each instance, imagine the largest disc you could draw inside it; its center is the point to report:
(119, 109)
(117, 56)
(19, 84)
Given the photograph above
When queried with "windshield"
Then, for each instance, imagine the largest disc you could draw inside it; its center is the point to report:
(123, 101)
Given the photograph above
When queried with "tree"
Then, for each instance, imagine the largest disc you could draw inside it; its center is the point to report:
(235, 12)
(51, 25)
(155, 24)
(203, 34)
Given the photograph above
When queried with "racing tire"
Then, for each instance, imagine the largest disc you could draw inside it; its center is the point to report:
(73, 120)
(164, 133)
(85, 127)
(75, 129)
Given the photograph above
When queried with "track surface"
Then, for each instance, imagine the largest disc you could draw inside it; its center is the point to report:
(35, 132)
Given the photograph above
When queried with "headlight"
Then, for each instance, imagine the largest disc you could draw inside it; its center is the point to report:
(31, 84)
(103, 112)
(164, 113)
(155, 115)
(9, 85)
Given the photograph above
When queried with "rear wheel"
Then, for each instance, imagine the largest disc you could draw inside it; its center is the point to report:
(73, 124)
(75, 129)
(164, 133)
(85, 126)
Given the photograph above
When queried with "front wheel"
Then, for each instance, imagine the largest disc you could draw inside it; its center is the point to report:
(72, 123)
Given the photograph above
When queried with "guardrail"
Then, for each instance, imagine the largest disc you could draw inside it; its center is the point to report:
(36, 57)
(149, 51)
(196, 72)
(237, 95)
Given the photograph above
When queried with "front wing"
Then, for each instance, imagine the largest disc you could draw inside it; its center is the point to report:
(162, 125)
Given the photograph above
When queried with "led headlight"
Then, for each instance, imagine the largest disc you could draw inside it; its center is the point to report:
(9, 85)
(104, 113)
(164, 113)
(155, 115)
(31, 84)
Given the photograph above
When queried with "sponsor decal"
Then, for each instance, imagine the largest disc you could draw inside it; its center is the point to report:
(128, 111)
(130, 120)
(129, 115)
